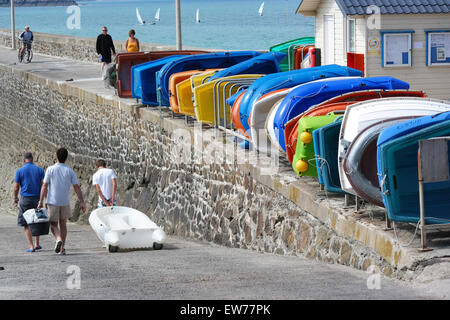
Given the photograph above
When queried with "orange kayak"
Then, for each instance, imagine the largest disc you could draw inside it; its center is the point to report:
(235, 115)
(175, 79)
(300, 53)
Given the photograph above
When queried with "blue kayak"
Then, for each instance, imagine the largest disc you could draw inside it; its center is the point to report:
(143, 79)
(309, 94)
(397, 166)
(264, 64)
(199, 62)
(326, 141)
(287, 79)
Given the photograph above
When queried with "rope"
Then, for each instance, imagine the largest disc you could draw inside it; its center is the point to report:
(411, 241)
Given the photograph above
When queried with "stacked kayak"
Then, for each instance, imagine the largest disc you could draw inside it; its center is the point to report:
(305, 153)
(196, 62)
(310, 94)
(209, 98)
(356, 135)
(362, 115)
(337, 105)
(176, 79)
(283, 80)
(326, 141)
(397, 166)
(184, 91)
(125, 61)
(143, 79)
(288, 48)
(264, 64)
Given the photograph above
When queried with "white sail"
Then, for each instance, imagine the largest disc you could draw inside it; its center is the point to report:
(261, 8)
(139, 16)
(197, 15)
(157, 14)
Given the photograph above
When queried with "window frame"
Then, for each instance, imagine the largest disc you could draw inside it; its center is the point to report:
(385, 33)
(428, 34)
(348, 34)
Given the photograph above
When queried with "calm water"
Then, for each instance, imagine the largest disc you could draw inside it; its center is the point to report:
(224, 24)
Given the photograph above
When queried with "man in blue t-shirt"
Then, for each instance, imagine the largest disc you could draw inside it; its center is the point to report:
(29, 180)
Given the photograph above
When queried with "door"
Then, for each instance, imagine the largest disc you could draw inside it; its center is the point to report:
(328, 22)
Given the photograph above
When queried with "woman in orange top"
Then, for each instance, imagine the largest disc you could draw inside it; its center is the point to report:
(132, 44)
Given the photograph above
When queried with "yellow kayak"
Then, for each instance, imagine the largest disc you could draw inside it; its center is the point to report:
(200, 79)
(177, 78)
(184, 92)
(204, 96)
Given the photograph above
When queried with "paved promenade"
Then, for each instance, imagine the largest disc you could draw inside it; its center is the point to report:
(181, 270)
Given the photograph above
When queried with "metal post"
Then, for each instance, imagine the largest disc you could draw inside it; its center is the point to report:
(423, 234)
(178, 24)
(13, 26)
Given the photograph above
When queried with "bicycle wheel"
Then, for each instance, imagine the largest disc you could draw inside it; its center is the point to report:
(29, 55)
(19, 56)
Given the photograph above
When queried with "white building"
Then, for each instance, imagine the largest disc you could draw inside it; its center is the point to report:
(407, 39)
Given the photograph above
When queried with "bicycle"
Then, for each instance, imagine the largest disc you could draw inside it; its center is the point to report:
(28, 50)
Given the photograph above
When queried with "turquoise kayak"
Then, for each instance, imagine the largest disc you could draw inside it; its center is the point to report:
(326, 141)
(397, 166)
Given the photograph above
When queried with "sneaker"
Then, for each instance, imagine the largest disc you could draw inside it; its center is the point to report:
(58, 246)
(63, 253)
(38, 248)
(30, 250)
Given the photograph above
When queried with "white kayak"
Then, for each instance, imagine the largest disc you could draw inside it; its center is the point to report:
(126, 228)
(361, 115)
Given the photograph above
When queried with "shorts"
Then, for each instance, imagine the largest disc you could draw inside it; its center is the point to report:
(55, 213)
(100, 203)
(106, 57)
(26, 203)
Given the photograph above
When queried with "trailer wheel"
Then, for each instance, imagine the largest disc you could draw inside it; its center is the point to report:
(113, 248)
(157, 246)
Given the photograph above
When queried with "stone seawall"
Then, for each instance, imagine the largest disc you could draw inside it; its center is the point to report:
(78, 48)
(228, 202)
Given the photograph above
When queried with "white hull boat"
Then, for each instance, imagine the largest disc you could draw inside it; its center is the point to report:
(260, 111)
(126, 228)
(361, 115)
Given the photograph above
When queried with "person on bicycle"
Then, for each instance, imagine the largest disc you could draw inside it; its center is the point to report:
(27, 38)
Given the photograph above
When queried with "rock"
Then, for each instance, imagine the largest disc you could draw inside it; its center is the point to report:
(437, 271)
(346, 252)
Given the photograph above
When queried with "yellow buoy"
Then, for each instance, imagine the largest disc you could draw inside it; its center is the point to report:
(306, 137)
(301, 166)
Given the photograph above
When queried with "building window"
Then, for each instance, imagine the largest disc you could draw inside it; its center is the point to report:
(351, 35)
(438, 47)
(396, 48)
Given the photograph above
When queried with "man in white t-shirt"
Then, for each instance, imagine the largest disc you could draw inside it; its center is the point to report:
(56, 187)
(105, 181)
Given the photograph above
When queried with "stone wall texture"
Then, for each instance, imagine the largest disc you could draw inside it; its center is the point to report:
(82, 49)
(218, 201)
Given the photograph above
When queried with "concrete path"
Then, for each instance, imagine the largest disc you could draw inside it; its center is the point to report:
(182, 270)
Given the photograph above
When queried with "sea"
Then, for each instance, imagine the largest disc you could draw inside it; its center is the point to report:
(224, 24)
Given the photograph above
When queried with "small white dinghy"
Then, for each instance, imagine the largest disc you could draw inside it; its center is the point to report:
(126, 228)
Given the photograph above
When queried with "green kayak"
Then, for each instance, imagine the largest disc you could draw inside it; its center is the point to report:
(304, 159)
(288, 48)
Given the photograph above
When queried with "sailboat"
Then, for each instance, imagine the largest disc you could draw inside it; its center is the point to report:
(139, 17)
(157, 14)
(261, 8)
(197, 16)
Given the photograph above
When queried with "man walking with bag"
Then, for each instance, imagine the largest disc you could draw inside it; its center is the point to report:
(57, 182)
(29, 180)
